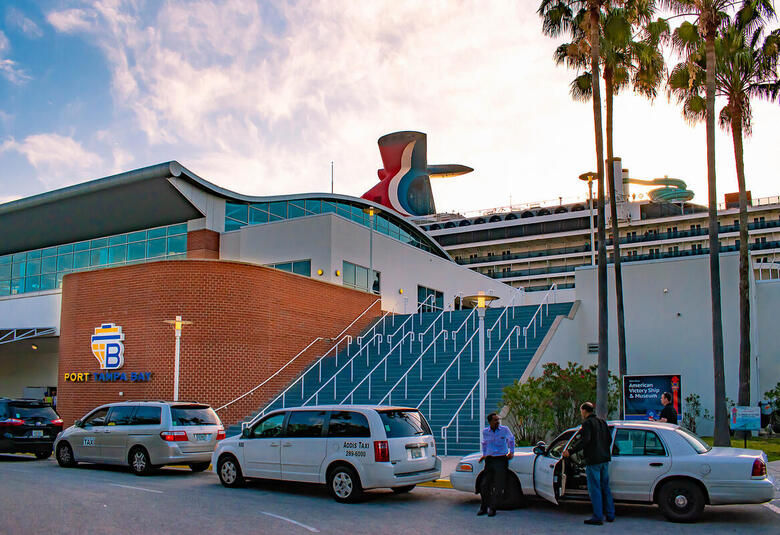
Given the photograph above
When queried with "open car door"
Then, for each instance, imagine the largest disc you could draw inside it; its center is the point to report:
(547, 471)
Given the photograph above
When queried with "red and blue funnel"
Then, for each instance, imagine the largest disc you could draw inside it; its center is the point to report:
(404, 183)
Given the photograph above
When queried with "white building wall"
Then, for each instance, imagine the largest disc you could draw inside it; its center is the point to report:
(26, 368)
(767, 339)
(31, 310)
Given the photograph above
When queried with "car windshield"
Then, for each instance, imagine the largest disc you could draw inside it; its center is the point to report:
(698, 444)
(193, 415)
(32, 412)
(400, 423)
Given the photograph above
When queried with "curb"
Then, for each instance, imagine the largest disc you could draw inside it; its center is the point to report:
(437, 484)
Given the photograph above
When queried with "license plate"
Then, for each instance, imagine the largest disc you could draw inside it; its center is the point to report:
(202, 437)
(37, 433)
(417, 453)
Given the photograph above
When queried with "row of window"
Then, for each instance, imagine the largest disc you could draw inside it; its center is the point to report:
(43, 269)
(238, 215)
(357, 276)
(299, 267)
(433, 299)
(340, 424)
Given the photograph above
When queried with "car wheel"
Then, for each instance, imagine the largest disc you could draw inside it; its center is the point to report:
(43, 454)
(139, 461)
(199, 467)
(65, 455)
(404, 489)
(344, 484)
(681, 501)
(230, 472)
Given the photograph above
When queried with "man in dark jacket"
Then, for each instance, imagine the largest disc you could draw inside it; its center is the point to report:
(595, 442)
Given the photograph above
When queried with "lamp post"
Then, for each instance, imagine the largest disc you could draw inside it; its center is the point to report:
(371, 211)
(589, 176)
(177, 325)
(481, 301)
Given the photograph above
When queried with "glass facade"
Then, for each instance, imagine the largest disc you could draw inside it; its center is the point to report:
(357, 276)
(299, 267)
(43, 269)
(423, 294)
(238, 215)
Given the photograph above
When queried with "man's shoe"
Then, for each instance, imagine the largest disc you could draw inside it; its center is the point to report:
(610, 519)
(594, 522)
(481, 512)
(491, 512)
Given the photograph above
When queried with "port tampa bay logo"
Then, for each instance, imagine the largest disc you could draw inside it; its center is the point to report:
(107, 346)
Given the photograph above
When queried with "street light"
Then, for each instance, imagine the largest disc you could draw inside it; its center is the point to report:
(480, 302)
(371, 211)
(177, 324)
(589, 176)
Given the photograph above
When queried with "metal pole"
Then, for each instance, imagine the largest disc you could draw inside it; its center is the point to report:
(590, 205)
(176, 361)
(482, 382)
(331, 177)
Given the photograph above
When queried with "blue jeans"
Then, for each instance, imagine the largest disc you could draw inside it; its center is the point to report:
(598, 489)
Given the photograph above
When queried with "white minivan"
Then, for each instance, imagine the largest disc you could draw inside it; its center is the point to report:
(348, 447)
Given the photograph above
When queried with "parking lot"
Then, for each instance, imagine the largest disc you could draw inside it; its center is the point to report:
(40, 497)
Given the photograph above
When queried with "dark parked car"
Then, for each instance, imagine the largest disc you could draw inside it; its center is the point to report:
(28, 426)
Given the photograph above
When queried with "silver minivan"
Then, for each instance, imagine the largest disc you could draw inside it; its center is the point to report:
(142, 435)
(349, 448)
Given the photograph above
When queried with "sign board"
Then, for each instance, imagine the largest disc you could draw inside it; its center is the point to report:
(745, 418)
(642, 395)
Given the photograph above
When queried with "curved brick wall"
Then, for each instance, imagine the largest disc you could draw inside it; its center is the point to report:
(247, 322)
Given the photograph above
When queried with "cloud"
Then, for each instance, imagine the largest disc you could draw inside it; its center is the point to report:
(14, 17)
(71, 20)
(8, 67)
(59, 160)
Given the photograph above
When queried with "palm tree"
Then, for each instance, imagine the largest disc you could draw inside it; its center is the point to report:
(746, 68)
(556, 19)
(708, 15)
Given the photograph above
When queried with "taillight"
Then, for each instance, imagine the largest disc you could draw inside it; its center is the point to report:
(174, 436)
(759, 468)
(220, 433)
(57, 421)
(12, 421)
(381, 451)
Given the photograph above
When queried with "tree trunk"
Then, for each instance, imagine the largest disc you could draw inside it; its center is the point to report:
(744, 264)
(721, 435)
(602, 379)
(621, 327)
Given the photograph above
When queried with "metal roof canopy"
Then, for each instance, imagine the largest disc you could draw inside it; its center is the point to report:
(130, 201)
(8, 336)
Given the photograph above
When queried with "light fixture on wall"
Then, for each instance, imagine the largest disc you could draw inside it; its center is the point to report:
(320, 272)
(666, 290)
(400, 290)
(34, 347)
(338, 273)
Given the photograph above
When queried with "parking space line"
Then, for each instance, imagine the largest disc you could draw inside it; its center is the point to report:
(291, 521)
(136, 488)
(772, 508)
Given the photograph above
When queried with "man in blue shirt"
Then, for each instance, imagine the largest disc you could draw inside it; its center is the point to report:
(498, 446)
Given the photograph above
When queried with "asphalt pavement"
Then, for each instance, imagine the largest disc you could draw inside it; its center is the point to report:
(40, 497)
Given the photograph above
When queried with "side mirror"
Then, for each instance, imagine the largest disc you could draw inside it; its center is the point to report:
(77, 423)
(245, 432)
(540, 448)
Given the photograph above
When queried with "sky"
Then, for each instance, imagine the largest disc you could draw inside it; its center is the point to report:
(261, 96)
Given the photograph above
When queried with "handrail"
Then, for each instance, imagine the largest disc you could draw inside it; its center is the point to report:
(348, 363)
(433, 323)
(384, 359)
(391, 336)
(471, 392)
(543, 303)
(444, 373)
(413, 364)
(318, 339)
(455, 332)
(373, 327)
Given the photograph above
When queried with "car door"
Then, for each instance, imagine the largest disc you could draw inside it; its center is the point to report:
(262, 455)
(304, 446)
(639, 458)
(114, 439)
(87, 438)
(549, 475)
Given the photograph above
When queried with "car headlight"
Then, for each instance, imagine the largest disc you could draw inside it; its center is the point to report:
(464, 467)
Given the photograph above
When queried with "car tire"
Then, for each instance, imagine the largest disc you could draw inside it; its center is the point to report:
(139, 461)
(65, 455)
(404, 489)
(229, 472)
(344, 484)
(43, 454)
(681, 500)
(199, 467)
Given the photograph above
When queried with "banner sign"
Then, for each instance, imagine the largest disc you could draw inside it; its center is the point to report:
(642, 395)
(745, 418)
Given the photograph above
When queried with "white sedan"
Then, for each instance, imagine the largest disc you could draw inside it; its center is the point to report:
(651, 463)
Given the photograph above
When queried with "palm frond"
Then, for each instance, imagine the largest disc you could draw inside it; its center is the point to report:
(581, 88)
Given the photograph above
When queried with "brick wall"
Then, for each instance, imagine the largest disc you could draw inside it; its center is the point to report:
(203, 243)
(248, 321)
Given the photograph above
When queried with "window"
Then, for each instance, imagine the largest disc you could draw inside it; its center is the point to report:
(269, 428)
(696, 443)
(147, 415)
(357, 276)
(121, 415)
(31, 411)
(183, 415)
(348, 424)
(305, 424)
(433, 299)
(556, 447)
(404, 423)
(96, 418)
(633, 442)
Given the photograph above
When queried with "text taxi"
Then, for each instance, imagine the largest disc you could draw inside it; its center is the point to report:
(349, 448)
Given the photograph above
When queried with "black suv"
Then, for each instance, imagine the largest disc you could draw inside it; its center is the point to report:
(28, 426)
